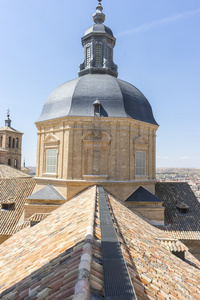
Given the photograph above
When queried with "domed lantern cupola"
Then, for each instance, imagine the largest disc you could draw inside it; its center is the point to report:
(98, 43)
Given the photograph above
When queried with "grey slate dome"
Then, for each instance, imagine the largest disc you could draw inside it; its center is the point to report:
(98, 28)
(118, 99)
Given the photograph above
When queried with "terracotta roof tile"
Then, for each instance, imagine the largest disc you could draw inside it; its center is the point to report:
(15, 191)
(48, 258)
(173, 245)
(154, 270)
(60, 258)
(21, 226)
(38, 217)
(9, 172)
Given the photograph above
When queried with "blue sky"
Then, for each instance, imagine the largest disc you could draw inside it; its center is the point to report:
(157, 50)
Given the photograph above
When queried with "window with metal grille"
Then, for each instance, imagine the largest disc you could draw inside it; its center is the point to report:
(98, 55)
(51, 161)
(109, 55)
(140, 163)
(88, 56)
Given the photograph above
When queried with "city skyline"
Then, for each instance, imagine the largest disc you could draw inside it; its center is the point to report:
(157, 50)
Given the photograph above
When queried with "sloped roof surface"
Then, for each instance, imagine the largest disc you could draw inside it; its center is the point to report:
(38, 217)
(33, 220)
(142, 195)
(48, 260)
(99, 28)
(9, 172)
(47, 193)
(22, 226)
(11, 129)
(156, 273)
(180, 225)
(13, 191)
(44, 260)
(174, 245)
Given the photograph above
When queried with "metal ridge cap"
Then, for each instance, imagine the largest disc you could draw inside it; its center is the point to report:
(117, 282)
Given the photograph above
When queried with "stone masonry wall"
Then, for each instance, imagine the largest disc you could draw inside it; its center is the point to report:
(119, 139)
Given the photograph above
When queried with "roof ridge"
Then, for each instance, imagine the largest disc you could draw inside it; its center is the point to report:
(82, 286)
(119, 285)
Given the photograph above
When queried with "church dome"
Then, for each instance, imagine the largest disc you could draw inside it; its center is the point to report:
(97, 80)
(118, 99)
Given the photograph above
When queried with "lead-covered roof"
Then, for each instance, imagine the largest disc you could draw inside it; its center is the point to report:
(118, 99)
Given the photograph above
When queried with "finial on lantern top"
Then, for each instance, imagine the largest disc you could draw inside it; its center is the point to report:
(8, 113)
(99, 16)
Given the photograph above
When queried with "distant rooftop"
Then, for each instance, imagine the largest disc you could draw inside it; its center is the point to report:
(14, 192)
(9, 172)
(177, 196)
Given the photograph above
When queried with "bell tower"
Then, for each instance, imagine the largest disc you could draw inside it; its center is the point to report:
(10, 144)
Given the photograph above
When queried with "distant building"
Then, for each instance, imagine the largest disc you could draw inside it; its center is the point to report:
(10, 145)
(25, 170)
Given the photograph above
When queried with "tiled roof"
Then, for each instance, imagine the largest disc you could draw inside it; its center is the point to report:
(13, 191)
(22, 226)
(173, 245)
(9, 172)
(156, 273)
(184, 226)
(60, 258)
(45, 261)
(38, 217)
(33, 220)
